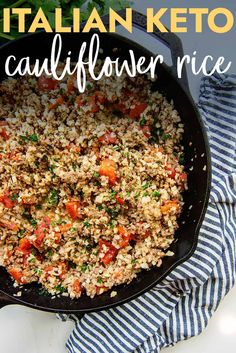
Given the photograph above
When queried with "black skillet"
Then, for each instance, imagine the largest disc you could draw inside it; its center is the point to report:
(197, 158)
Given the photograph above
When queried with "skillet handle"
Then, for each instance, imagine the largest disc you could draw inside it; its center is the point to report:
(168, 38)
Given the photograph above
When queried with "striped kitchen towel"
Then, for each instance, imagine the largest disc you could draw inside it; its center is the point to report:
(181, 305)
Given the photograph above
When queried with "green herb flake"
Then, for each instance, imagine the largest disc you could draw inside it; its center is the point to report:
(21, 233)
(59, 288)
(50, 253)
(133, 262)
(96, 175)
(182, 158)
(100, 207)
(34, 223)
(51, 168)
(71, 264)
(89, 86)
(99, 280)
(156, 193)
(84, 267)
(142, 121)
(33, 138)
(145, 194)
(38, 207)
(53, 198)
(14, 197)
(87, 224)
(146, 185)
(113, 212)
(38, 271)
(74, 166)
(113, 193)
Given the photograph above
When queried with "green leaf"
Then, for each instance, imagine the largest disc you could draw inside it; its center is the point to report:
(53, 198)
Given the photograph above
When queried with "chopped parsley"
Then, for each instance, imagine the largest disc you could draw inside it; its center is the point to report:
(99, 280)
(51, 168)
(21, 233)
(71, 264)
(38, 207)
(100, 207)
(182, 158)
(50, 253)
(142, 121)
(113, 212)
(146, 185)
(29, 138)
(156, 193)
(59, 288)
(38, 271)
(33, 222)
(133, 262)
(53, 198)
(113, 193)
(14, 197)
(84, 267)
(74, 166)
(87, 224)
(96, 175)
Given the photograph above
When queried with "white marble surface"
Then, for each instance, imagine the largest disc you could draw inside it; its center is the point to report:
(24, 330)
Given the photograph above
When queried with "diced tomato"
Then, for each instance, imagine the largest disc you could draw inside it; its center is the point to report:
(80, 101)
(100, 97)
(77, 286)
(137, 110)
(57, 238)
(7, 201)
(183, 177)
(171, 172)
(14, 155)
(108, 168)
(3, 123)
(28, 200)
(169, 205)
(73, 208)
(146, 234)
(146, 131)
(4, 134)
(63, 268)
(125, 237)
(108, 138)
(121, 108)
(9, 225)
(41, 232)
(109, 255)
(120, 200)
(59, 101)
(48, 269)
(17, 275)
(25, 245)
(94, 108)
(65, 227)
(46, 83)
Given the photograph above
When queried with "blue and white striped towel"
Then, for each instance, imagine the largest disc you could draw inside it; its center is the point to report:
(161, 318)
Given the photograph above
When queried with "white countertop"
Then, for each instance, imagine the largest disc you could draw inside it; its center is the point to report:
(24, 330)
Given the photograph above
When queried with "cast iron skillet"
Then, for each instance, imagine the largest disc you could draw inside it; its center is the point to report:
(196, 154)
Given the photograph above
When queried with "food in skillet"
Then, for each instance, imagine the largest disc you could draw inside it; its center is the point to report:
(90, 184)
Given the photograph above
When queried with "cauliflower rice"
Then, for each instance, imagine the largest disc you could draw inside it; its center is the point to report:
(90, 184)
